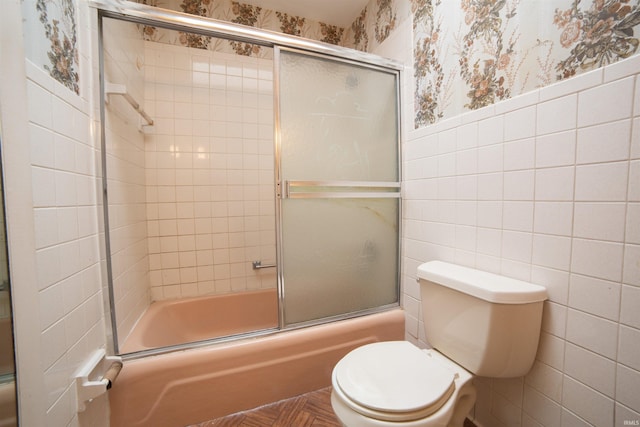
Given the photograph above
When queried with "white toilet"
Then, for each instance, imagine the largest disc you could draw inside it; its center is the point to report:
(478, 324)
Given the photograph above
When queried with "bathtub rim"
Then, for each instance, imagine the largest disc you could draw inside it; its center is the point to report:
(213, 342)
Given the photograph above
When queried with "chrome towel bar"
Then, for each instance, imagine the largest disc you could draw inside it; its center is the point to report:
(257, 265)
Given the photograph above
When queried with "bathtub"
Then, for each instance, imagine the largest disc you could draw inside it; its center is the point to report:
(173, 322)
(192, 386)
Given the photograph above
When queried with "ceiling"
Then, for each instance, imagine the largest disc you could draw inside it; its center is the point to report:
(335, 12)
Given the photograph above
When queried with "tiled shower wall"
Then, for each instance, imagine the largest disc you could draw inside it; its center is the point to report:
(125, 148)
(544, 187)
(209, 171)
(191, 198)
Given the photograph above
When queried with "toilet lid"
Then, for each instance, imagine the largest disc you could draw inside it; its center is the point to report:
(395, 378)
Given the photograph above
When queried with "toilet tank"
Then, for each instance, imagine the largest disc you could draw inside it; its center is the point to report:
(486, 323)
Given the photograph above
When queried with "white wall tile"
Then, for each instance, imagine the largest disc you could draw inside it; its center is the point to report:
(622, 69)
(447, 141)
(490, 186)
(551, 351)
(597, 258)
(516, 246)
(40, 105)
(517, 216)
(43, 187)
(520, 124)
(629, 347)
(491, 131)
(628, 387)
(569, 419)
(556, 149)
(42, 147)
(505, 411)
(511, 389)
(590, 369)
(541, 408)
(555, 281)
(593, 333)
(602, 182)
(520, 154)
(630, 301)
(635, 136)
(604, 143)
(467, 187)
(546, 380)
(584, 189)
(51, 305)
(467, 136)
(632, 232)
(557, 115)
(467, 162)
(554, 184)
(45, 233)
(518, 185)
(587, 403)
(554, 319)
(490, 158)
(634, 181)
(600, 221)
(595, 296)
(551, 251)
(553, 218)
(608, 102)
(631, 270)
(489, 241)
(569, 86)
(624, 414)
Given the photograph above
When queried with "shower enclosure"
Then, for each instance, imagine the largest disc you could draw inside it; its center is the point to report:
(238, 160)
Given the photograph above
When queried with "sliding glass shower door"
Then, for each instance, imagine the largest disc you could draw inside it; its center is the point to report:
(339, 190)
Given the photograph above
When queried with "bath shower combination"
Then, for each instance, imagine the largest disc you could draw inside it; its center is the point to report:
(242, 204)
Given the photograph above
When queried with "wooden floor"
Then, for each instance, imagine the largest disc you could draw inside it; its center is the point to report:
(310, 409)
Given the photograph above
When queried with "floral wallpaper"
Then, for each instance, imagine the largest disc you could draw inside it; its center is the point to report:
(375, 23)
(52, 39)
(244, 14)
(467, 53)
(472, 53)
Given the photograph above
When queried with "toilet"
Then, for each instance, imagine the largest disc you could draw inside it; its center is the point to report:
(478, 323)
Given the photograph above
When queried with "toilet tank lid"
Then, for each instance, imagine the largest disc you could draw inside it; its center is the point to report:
(481, 284)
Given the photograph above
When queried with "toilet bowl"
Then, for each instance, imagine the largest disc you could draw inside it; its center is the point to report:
(478, 323)
(387, 383)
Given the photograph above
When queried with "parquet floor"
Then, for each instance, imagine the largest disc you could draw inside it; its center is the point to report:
(310, 409)
(307, 410)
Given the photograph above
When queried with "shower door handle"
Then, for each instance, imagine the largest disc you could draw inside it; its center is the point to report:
(341, 189)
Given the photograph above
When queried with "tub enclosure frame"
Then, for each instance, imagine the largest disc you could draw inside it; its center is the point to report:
(148, 15)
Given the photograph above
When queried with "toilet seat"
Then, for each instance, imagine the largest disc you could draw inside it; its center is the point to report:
(392, 381)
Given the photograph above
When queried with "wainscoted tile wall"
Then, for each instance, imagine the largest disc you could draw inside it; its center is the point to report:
(125, 149)
(64, 182)
(209, 171)
(544, 187)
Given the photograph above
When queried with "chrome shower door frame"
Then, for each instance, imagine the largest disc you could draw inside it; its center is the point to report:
(148, 15)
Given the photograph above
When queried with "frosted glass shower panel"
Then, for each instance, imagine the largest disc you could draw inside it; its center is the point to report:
(340, 190)
(340, 256)
(338, 120)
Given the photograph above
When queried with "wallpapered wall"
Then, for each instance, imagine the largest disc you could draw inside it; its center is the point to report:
(374, 24)
(467, 53)
(472, 53)
(52, 40)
